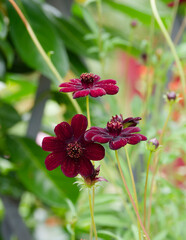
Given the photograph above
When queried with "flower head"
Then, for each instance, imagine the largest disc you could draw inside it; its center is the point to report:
(89, 84)
(116, 133)
(93, 178)
(70, 150)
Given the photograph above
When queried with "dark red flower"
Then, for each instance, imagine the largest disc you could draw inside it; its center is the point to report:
(89, 84)
(117, 135)
(70, 150)
(127, 122)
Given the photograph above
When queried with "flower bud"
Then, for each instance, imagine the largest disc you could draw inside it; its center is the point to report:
(152, 144)
(133, 24)
(171, 96)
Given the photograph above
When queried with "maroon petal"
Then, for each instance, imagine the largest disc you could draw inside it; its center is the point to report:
(79, 125)
(133, 139)
(96, 78)
(68, 89)
(70, 167)
(97, 92)
(101, 138)
(110, 89)
(108, 81)
(51, 144)
(66, 84)
(63, 131)
(130, 130)
(75, 81)
(54, 160)
(117, 143)
(95, 131)
(81, 93)
(95, 151)
(143, 138)
(85, 167)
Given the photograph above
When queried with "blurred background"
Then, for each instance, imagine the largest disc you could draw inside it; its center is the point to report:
(116, 39)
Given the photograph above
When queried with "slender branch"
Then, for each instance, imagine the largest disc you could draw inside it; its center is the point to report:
(169, 41)
(145, 193)
(130, 196)
(134, 189)
(43, 53)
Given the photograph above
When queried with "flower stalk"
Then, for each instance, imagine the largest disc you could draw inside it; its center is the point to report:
(88, 111)
(134, 189)
(146, 181)
(92, 215)
(130, 196)
(43, 53)
(169, 41)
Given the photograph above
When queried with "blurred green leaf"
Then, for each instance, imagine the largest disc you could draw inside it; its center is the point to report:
(51, 187)
(140, 9)
(107, 235)
(2, 68)
(7, 51)
(3, 26)
(8, 116)
(46, 34)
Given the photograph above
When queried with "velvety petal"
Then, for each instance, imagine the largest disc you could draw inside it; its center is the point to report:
(95, 151)
(110, 89)
(133, 139)
(81, 93)
(66, 84)
(63, 131)
(97, 92)
(79, 125)
(75, 81)
(104, 82)
(85, 167)
(143, 138)
(130, 130)
(117, 143)
(54, 160)
(70, 167)
(96, 78)
(95, 131)
(68, 89)
(101, 138)
(51, 144)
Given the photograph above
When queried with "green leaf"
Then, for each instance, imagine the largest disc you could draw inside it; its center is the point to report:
(46, 34)
(7, 51)
(2, 67)
(108, 235)
(51, 187)
(3, 26)
(8, 116)
(140, 9)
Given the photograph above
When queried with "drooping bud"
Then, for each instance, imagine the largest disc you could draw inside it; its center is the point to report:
(92, 179)
(171, 96)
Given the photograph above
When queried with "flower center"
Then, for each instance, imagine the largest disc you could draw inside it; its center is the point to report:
(114, 127)
(87, 79)
(74, 150)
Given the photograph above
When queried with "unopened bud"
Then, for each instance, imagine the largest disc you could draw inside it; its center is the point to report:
(133, 24)
(152, 144)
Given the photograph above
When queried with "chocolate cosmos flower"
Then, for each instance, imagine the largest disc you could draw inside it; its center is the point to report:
(117, 135)
(70, 150)
(89, 84)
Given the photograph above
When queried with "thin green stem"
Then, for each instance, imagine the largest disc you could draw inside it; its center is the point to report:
(156, 162)
(165, 124)
(43, 53)
(169, 41)
(92, 215)
(145, 193)
(134, 188)
(88, 111)
(100, 43)
(130, 196)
